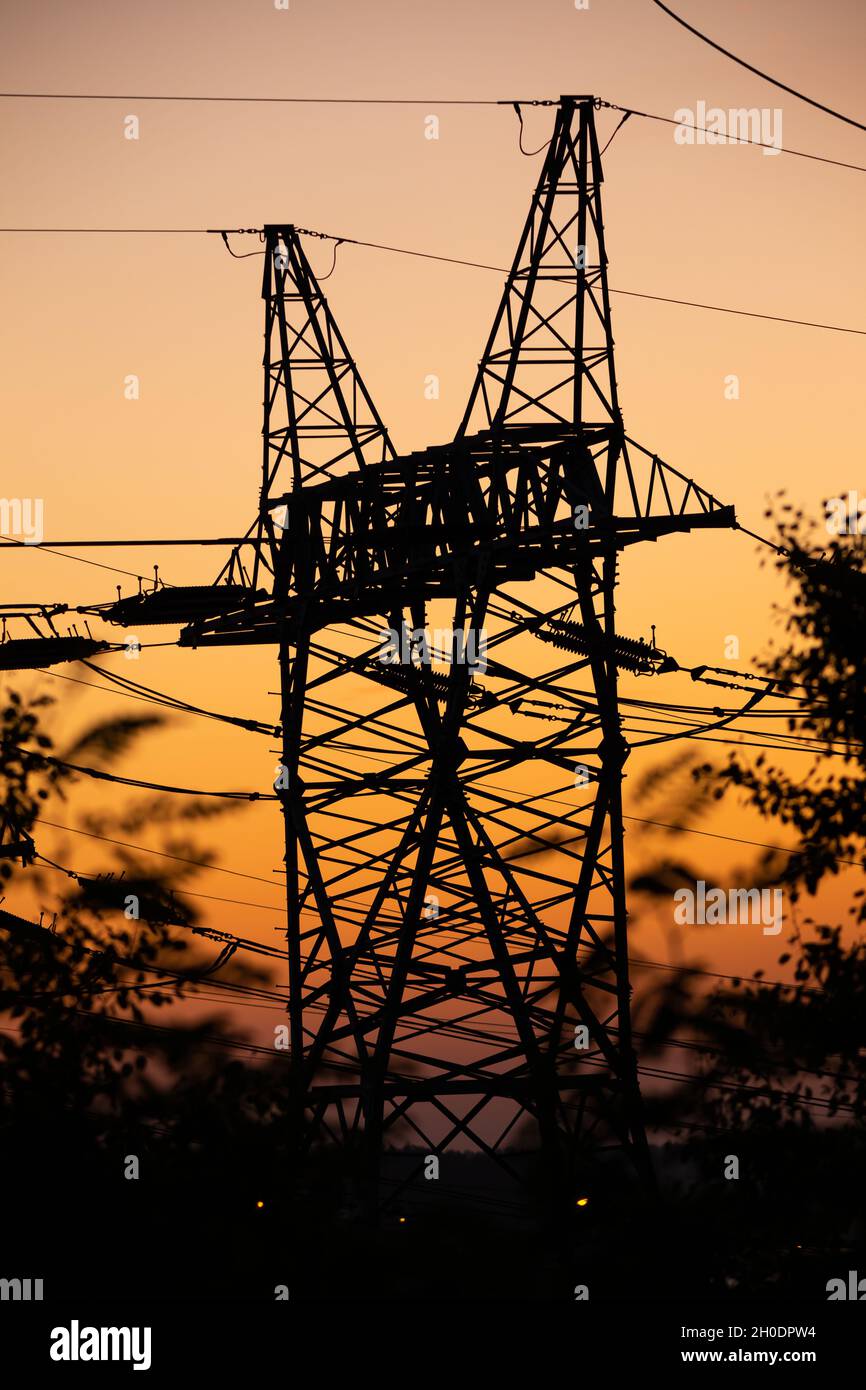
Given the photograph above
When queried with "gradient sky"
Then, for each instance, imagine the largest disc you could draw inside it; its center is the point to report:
(723, 225)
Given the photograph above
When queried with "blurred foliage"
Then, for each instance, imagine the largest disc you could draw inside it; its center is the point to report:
(88, 1073)
(777, 1055)
(823, 663)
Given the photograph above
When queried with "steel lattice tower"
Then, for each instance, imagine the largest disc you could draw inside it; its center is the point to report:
(457, 923)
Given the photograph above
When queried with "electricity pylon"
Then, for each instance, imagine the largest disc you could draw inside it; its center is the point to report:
(457, 922)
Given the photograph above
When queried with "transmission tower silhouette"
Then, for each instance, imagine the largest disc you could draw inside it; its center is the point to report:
(455, 885)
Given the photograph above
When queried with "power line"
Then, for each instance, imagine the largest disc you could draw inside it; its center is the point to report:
(162, 854)
(204, 1041)
(430, 256)
(743, 313)
(735, 840)
(682, 829)
(667, 1073)
(734, 139)
(109, 231)
(147, 786)
(187, 892)
(147, 695)
(633, 960)
(774, 82)
(252, 796)
(631, 294)
(244, 944)
(133, 688)
(155, 697)
(395, 101)
(285, 101)
(124, 544)
(9, 542)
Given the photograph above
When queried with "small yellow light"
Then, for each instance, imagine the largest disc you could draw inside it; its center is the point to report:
(260, 1204)
(583, 1201)
(402, 1221)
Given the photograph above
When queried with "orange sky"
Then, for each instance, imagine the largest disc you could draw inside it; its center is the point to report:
(725, 225)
